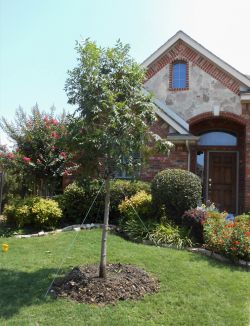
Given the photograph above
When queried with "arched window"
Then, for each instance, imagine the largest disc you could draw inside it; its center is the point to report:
(217, 138)
(179, 75)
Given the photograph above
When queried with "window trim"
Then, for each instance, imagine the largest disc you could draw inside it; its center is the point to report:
(171, 75)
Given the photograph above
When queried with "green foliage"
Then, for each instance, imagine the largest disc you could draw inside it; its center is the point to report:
(113, 116)
(137, 223)
(77, 199)
(177, 190)
(244, 218)
(135, 230)
(229, 238)
(172, 235)
(194, 219)
(119, 189)
(33, 211)
(139, 204)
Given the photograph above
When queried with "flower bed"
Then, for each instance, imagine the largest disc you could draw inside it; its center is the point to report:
(228, 237)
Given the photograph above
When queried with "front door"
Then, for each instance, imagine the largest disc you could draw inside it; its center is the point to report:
(222, 180)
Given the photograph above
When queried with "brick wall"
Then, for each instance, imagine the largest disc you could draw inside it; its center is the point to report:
(178, 157)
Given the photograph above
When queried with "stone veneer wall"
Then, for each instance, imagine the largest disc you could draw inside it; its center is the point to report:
(204, 93)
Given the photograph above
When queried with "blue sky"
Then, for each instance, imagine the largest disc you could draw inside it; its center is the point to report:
(37, 39)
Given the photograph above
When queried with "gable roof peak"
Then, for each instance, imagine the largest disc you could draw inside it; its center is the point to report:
(180, 35)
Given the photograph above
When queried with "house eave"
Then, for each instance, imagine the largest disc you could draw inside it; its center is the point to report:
(245, 97)
(183, 139)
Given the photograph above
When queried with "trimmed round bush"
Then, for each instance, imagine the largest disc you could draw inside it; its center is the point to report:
(177, 191)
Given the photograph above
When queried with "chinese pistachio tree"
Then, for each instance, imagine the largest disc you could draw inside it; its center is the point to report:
(110, 128)
(38, 154)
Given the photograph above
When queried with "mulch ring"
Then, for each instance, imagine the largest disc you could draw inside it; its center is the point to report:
(123, 282)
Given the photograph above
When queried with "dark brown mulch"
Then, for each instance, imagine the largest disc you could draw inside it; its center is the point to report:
(123, 282)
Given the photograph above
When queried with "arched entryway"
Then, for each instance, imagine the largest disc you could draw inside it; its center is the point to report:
(218, 158)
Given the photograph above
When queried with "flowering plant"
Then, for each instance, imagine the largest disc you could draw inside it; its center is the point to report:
(231, 238)
(38, 152)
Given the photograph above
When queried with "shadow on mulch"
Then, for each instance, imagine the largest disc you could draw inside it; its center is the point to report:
(123, 282)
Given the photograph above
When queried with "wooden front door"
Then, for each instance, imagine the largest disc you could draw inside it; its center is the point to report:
(222, 180)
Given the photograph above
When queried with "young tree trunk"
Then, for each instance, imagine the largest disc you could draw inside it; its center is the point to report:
(102, 270)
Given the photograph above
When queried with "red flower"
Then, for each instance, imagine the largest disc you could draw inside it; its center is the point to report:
(237, 243)
(233, 248)
(247, 233)
(54, 135)
(26, 159)
(10, 156)
(63, 154)
(46, 119)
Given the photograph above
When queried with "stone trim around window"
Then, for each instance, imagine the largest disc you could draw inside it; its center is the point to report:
(171, 75)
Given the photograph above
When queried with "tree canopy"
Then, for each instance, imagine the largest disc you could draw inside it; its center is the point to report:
(113, 115)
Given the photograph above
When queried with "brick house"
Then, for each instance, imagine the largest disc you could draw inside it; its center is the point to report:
(203, 105)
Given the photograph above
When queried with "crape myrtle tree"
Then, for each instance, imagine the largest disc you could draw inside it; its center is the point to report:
(38, 155)
(110, 127)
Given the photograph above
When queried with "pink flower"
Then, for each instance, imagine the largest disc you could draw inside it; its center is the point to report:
(54, 135)
(26, 159)
(10, 156)
(54, 122)
(63, 154)
(38, 161)
(46, 119)
(53, 148)
(65, 173)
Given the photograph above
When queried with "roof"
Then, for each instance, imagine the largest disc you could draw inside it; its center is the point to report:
(244, 79)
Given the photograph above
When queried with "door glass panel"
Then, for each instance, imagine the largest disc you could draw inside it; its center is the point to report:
(217, 138)
(200, 164)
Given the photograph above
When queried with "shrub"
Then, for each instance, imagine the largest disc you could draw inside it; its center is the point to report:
(177, 190)
(33, 211)
(231, 239)
(119, 189)
(194, 219)
(242, 218)
(135, 229)
(166, 233)
(46, 213)
(18, 211)
(136, 207)
(77, 199)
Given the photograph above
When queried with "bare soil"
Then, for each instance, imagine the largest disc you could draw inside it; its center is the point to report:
(123, 282)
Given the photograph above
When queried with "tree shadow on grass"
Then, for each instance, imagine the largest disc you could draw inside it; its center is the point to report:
(21, 289)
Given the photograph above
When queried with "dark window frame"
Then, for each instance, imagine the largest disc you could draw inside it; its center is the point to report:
(171, 76)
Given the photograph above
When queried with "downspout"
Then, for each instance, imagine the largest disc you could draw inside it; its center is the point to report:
(188, 149)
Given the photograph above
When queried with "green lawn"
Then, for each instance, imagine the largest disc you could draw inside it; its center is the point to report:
(195, 290)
